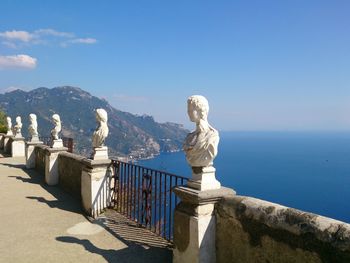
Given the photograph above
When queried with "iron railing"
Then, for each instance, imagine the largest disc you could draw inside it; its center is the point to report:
(67, 142)
(145, 196)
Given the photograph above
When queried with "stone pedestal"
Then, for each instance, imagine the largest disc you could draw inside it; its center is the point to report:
(195, 224)
(30, 154)
(57, 143)
(18, 146)
(51, 164)
(100, 153)
(203, 178)
(7, 144)
(95, 186)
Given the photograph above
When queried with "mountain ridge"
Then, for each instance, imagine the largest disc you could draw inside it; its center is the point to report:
(130, 134)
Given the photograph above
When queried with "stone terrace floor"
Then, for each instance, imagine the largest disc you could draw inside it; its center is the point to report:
(40, 223)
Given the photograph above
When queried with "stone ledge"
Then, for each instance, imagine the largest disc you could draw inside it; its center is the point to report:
(17, 138)
(95, 163)
(34, 143)
(196, 197)
(50, 150)
(72, 156)
(280, 217)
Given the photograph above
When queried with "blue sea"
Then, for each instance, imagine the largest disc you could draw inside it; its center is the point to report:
(304, 170)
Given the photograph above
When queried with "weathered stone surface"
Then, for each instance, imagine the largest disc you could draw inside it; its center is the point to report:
(30, 153)
(40, 158)
(95, 186)
(253, 230)
(196, 197)
(69, 170)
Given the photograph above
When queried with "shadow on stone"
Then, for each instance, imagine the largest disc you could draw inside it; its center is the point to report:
(63, 200)
(64, 204)
(133, 253)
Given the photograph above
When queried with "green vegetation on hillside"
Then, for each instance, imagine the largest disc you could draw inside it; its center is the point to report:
(3, 126)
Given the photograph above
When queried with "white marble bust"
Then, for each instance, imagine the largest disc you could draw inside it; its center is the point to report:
(57, 129)
(18, 127)
(101, 132)
(33, 127)
(201, 145)
(9, 126)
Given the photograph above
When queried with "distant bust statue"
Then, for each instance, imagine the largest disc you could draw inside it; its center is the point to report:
(33, 127)
(18, 127)
(101, 132)
(56, 130)
(201, 145)
(9, 126)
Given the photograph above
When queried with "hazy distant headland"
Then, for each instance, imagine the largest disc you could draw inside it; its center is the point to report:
(138, 136)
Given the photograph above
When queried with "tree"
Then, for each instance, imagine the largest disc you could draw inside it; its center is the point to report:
(3, 125)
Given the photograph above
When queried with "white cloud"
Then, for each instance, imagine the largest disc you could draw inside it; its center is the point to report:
(18, 39)
(83, 41)
(88, 41)
(23, 36)
(17, 61)
(52, 32)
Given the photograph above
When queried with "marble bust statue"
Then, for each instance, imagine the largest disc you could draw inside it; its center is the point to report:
(9, 126)
(201, 145)
(101, 132)
(57, 129)
(18, 127)
(33, 127)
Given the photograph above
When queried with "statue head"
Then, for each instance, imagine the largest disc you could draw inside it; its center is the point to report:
(32, 118)
(8, 119)
(197, 108)
(56, 119)
(18, 120)
(101, 115)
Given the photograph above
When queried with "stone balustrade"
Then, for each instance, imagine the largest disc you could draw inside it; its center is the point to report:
(253, 230)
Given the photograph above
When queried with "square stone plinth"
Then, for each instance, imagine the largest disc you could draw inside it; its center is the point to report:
(195, 224)
(57, 144)
(30, 154)
(17, 146)
(51, 164)
(100, 153)
(203, 178)
(95, 186)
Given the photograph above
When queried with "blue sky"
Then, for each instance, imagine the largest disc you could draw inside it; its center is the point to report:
(263, 65)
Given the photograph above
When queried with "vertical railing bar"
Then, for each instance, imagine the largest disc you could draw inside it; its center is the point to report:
(151, 200)
(155, 201)
(124, 186)
(120, 190)
(176, 184)
(164, 226)
(170, 206)
(128, 193)
(130, 190)
(160, 202)
(138, 193)
(134, 191)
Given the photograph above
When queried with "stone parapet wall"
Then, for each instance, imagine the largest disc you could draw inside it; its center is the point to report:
(40, 158)
(69, 169)
(253, 230)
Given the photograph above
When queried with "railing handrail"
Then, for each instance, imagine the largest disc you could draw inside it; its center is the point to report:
(155, 170)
